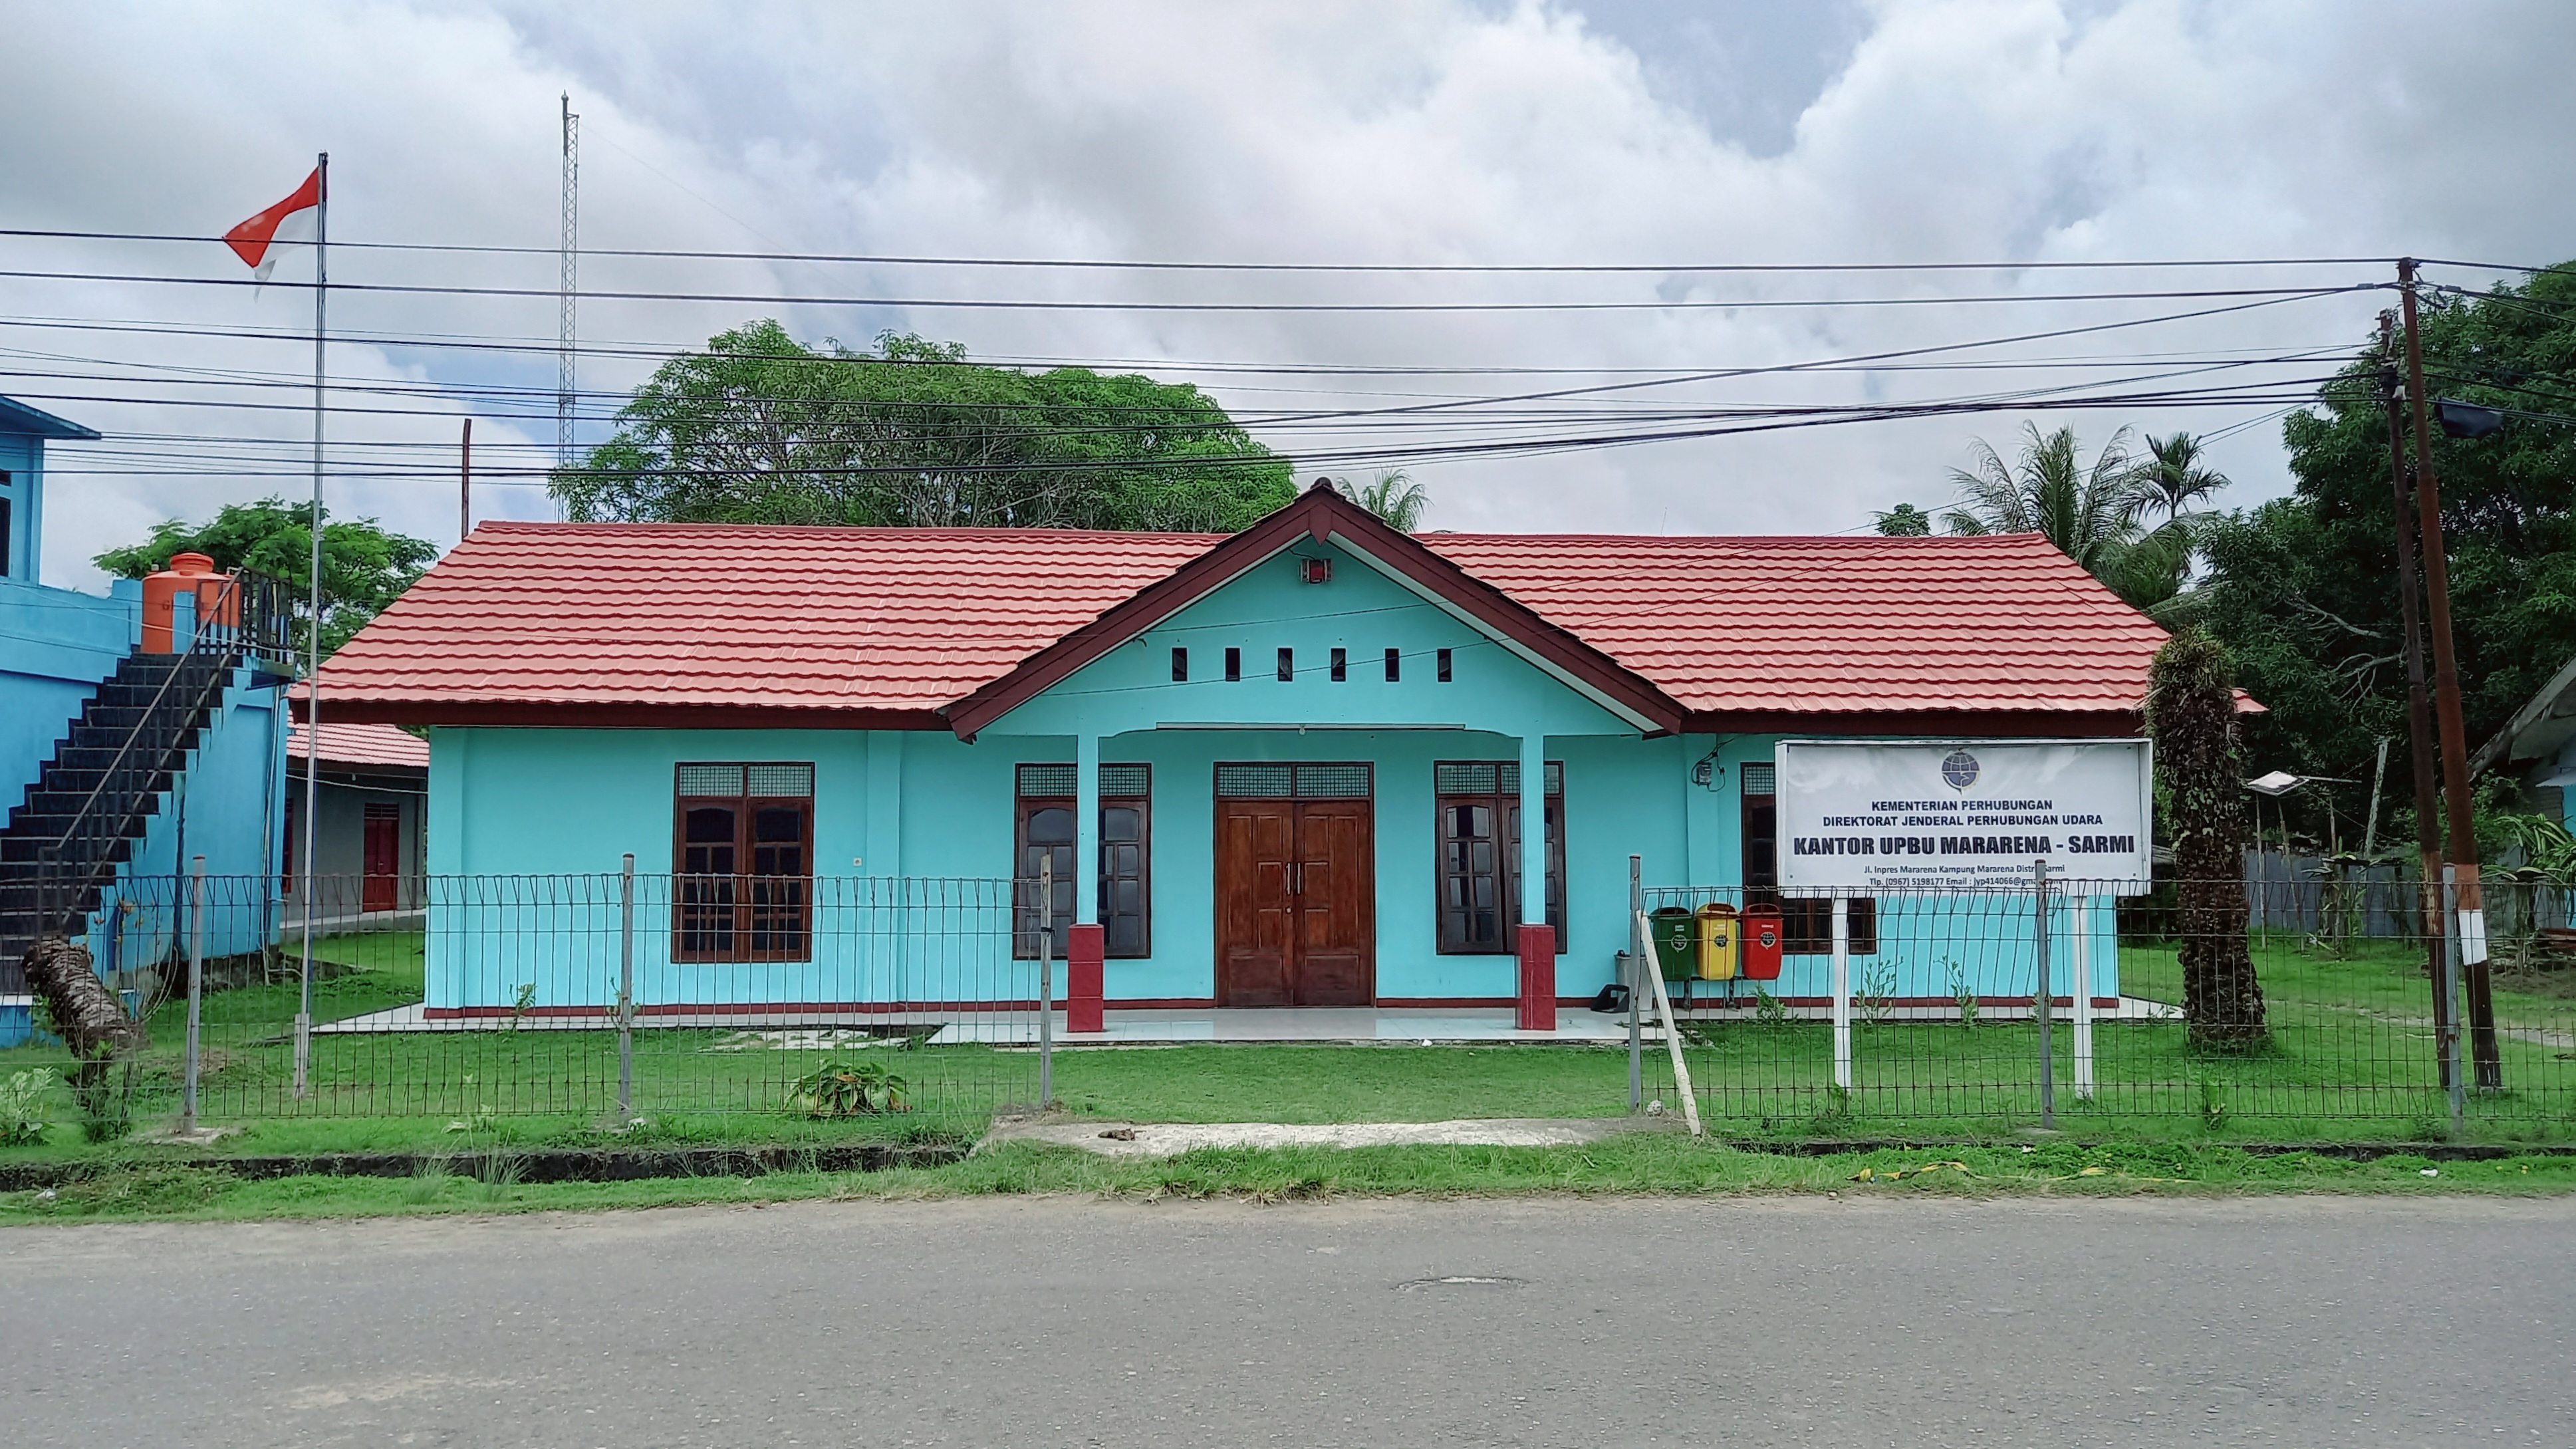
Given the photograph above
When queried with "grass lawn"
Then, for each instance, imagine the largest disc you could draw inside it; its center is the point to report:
(1640, 1162)
(2351, 1058)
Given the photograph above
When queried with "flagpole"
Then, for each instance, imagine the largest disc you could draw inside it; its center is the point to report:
(313, 673)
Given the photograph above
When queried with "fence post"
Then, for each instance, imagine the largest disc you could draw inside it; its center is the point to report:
(1638, 946)
(2040, 1002)
(196, 992)
(1046, 980)
(1842, 993)
(2080, 912)
(2449, 1029)
(626, 991)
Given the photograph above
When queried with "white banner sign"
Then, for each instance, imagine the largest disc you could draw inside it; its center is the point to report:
(1968, 815)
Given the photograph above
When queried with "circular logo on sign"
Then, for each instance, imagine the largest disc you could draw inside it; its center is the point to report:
(1960, 769)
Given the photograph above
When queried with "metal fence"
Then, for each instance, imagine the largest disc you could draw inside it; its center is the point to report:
(593, 1000)
(909, 1004)
(1986, 1009)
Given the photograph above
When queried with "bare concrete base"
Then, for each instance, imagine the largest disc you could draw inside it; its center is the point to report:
(1165, 1139)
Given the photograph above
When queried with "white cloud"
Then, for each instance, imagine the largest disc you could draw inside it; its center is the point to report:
(1430, 132)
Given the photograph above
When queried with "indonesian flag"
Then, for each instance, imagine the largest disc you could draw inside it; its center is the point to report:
(251, 241)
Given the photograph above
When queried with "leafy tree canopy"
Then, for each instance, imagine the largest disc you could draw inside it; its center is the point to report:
(760, 428)
(1904, 521)
(2303, 589)
(365, 566)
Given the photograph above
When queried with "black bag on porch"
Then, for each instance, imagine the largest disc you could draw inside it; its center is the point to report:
(1613, 997)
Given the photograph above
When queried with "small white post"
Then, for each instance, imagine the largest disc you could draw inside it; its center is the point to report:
(1046, 980)
(1672, 1040)
(626, 992)
(196, 991)
(2081, 908)
(1842, 993)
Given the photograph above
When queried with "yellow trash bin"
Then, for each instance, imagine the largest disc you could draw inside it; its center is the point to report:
(1720, 948)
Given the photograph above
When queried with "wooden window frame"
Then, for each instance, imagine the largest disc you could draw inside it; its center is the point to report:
(1026, 916)
(1508, 862)
(1806, 922)
(746, 904)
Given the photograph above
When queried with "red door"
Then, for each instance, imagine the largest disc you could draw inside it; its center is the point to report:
(1296, 916)
(382, 859)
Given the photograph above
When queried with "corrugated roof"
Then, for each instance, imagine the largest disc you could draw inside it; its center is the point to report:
(914, 619)
(375, 746)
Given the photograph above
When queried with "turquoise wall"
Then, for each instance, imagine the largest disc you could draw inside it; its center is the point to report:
(22, 459)
(896, 812)
(55, 646)
(225, 806)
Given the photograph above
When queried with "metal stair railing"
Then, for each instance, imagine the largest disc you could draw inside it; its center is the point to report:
(247, 619)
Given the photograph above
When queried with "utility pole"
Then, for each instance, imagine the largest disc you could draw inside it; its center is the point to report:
(2419, 708)
(568, 283)
(465, 482)
(2446, 703)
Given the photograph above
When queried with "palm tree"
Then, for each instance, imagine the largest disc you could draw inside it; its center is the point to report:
(2174, 475)
(2093, 513)
(1395, 498)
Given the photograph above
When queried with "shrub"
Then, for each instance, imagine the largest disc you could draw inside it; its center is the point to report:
(22, 1105)
(840, 1089)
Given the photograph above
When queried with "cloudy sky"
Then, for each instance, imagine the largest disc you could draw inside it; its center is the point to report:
(1663, 136)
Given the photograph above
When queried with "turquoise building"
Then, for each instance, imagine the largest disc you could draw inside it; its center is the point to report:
(1290, 766)
(78, 693)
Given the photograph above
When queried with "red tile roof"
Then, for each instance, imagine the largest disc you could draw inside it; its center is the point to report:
(1828, 624)
(908, 620)
(371, 745)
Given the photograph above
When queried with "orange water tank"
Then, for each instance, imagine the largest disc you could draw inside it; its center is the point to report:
(189, 573)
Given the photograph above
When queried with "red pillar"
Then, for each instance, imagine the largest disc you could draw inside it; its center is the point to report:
(1538, 979)
(1084, 948)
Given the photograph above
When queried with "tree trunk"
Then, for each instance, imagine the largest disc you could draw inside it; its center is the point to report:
(92, 1021)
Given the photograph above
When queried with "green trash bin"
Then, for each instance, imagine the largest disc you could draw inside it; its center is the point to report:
(1676, 943)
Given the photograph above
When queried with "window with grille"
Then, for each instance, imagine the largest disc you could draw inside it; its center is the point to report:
(1045, 812)
(743, 862)
(1806, 923)
(1478, 872)
(1293, 782)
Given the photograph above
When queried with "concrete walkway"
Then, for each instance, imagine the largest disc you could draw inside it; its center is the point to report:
(1166, 1139)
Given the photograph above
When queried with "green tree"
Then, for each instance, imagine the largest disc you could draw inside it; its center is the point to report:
(1393, 496)
(2303, 589)
(1904, 521)
(365, 566)
(760, 428)
(2200, 770)
(2094, 513)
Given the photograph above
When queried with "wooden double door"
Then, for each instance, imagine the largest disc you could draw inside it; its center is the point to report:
(1296, 887)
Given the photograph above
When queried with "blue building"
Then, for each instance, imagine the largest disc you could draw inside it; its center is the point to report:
(122, 762)
(1289, 766)
(2539, 745)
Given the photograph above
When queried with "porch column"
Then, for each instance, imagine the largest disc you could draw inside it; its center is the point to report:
(1537, 942)
(1085, 944)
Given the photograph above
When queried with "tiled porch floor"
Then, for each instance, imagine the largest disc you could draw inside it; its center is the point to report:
(1126, 1028)
(1268, 1024)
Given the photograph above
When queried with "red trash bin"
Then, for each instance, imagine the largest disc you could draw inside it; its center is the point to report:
(1763, 934)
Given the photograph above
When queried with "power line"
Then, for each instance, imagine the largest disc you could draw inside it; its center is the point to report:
(1016, 304)
(1396, 268)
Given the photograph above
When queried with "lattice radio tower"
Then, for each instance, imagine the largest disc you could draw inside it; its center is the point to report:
(567, 287)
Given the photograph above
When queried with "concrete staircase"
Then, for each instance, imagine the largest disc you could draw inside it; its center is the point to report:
(99, 792)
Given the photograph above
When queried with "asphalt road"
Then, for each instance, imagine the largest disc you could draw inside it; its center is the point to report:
(2314, 1321)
